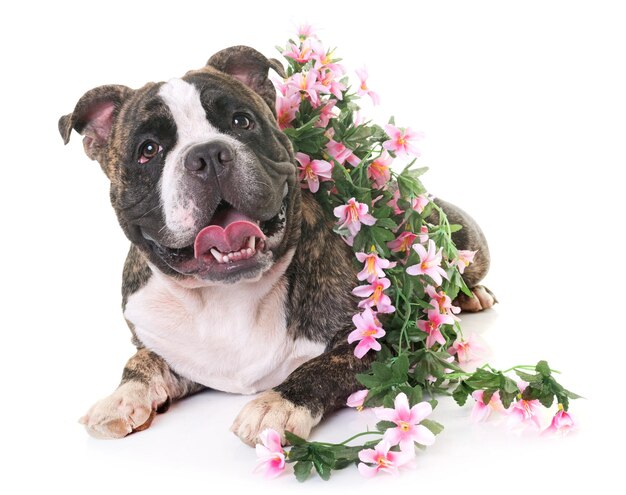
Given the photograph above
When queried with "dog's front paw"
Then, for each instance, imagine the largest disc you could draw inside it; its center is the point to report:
(271, 410)
(483, 299)
(130, 408)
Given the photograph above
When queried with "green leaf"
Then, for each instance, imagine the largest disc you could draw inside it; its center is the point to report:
(322, 469)
(298, 453)
(433, 426)
(461, 393)
(543, 368)
(455, 227)
(400, 367)
(384, 425)
(386, 223)
(381, 371)
(302, 470)
(294, 439)
(527, 377)
(508, 385)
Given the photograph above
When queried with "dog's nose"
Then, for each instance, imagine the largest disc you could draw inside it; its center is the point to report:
(214, 153)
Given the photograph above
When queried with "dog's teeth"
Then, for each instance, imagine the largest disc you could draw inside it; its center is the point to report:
(251, 242)
(225, 259)
(216, 254)
(249, 251)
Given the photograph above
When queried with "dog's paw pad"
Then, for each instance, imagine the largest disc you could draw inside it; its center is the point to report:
(271, 410)
(130, 408)
(483, 299)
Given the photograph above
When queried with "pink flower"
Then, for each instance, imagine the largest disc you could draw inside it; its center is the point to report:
(524, 412)
(464, 260)
(327, 112)
(408, 429)
(375, 295)
(562, 422)
(383, 460)
(357, 399)
(379, 171)
(313, 170)
(481, 410)
(286, 109)
(341, 153)
(368, 329)
(433, 324)
(309, 85)
(418, 203)
(401, 141)
(271, 454)
(429, 263)
(374, 266)
(443, 301)
(301, 54)
(363, 89)
(352, 215)
(329, 79)
(305, 31)
(402, 243)
(467, 350)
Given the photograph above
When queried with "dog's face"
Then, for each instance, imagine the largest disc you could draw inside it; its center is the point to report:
(202, 179)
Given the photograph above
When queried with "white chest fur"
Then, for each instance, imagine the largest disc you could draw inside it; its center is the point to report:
(229, 337)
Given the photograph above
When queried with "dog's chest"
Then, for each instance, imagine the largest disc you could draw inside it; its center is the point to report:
(230, 338)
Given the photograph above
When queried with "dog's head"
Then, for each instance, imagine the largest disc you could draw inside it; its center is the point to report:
(202, 179)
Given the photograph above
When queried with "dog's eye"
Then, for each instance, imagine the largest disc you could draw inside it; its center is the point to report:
(241, 121)
(148, 151)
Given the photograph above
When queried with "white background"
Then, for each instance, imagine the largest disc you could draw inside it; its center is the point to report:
(523, 106)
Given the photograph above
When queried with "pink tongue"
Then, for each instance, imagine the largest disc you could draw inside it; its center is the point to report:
(228, 231)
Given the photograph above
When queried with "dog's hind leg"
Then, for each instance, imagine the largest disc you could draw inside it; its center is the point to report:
(148, 386)
(470, 238)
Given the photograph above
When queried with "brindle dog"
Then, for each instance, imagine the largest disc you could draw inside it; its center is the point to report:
(234, 279)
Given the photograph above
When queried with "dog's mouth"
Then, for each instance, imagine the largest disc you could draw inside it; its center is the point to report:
(231, 242)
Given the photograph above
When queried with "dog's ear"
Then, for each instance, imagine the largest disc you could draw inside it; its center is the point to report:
(93, 117)
(251, 68)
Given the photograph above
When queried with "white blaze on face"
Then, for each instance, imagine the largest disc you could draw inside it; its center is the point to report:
(192, 127)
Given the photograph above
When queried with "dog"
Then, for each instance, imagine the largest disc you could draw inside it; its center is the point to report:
(234, 279)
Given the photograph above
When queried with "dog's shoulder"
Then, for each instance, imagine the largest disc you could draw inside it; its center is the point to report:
(320, 277)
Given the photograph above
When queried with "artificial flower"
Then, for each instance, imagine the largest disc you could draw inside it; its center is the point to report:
(562, 422)
(443, 301)
(383, 460)
(352, 215)
(368, 329)
(313, 171)
(308, 84)
(374, 266)
(482, 411)
(270, 453)
(341, 153)
(401, 140)
(357, 399)
(407, 420)
(379, 171)
(363, 89)
(375, 295)
(464, 259)
(402, 243)
(467, 350)
(432, 325)
(429, 264)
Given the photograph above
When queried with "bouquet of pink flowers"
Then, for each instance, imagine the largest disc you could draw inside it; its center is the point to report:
(410, 274)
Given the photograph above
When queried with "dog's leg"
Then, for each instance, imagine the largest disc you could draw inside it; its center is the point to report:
(316, 388)
(148, 386)
(470, 238)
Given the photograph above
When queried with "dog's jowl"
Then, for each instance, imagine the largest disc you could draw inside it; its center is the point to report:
(234, 279)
